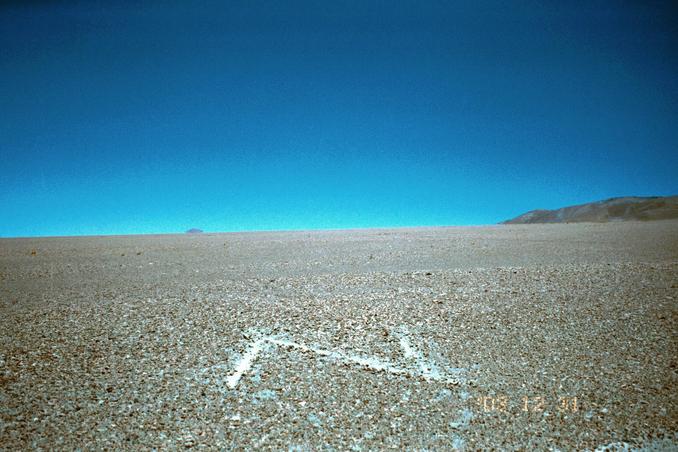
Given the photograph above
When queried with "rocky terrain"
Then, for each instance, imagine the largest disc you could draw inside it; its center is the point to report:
(530, 337)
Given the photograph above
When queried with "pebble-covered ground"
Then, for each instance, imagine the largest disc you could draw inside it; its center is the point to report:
(508, 337)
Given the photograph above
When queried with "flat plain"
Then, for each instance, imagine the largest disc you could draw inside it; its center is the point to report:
(531, 337)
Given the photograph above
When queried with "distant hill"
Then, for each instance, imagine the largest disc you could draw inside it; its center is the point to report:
(194, 231)
(613, 209)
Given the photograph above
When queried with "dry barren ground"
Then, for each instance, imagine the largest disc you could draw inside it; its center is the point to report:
(507, 337)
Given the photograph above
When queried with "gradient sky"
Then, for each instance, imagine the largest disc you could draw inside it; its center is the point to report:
(142, 117)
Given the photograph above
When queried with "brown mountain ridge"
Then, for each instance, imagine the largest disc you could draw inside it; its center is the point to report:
(627, 208)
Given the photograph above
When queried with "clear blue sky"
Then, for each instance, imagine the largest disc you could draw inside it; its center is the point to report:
(141, 117)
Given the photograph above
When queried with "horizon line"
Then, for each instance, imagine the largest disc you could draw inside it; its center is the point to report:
(257, 231)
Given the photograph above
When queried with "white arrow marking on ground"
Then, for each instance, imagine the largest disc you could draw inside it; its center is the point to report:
(426, 370)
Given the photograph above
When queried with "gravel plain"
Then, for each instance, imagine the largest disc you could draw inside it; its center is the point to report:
(521, 337)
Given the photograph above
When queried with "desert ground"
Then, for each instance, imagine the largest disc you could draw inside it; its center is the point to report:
(532, 337)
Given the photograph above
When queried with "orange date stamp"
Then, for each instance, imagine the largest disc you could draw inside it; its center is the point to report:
(526, 404)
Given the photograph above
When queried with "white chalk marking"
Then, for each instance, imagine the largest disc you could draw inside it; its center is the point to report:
(245, 363)
(458, 443)
(407, 348)
(425, 369)
(666, 443)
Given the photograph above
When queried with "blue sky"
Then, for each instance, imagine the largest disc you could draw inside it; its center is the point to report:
(145, 117)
